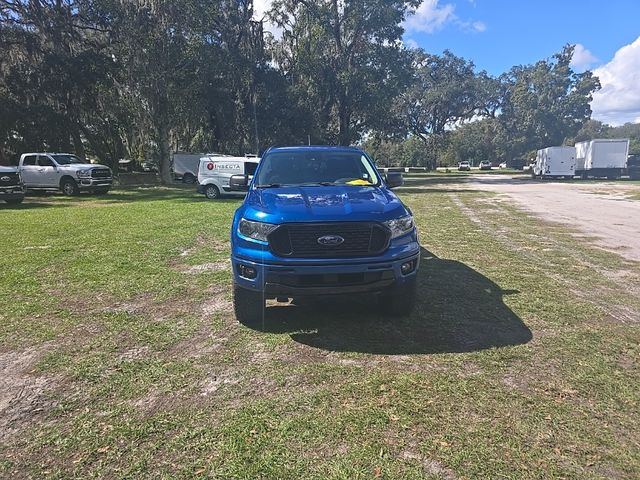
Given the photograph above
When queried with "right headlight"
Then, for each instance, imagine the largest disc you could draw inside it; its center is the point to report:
(84, 173)
(255, 230)
(400, 226)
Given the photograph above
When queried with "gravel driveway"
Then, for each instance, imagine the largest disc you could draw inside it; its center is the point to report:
(599, 209)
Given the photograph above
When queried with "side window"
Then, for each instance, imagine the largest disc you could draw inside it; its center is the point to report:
(29, 160)
(45, 161)
(250, 168)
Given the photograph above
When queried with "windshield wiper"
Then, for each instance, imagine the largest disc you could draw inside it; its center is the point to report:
(312, 184)
(269, 185)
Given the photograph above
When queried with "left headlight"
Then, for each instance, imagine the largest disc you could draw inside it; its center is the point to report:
(84, 173)
(256, 230)
(400, 226)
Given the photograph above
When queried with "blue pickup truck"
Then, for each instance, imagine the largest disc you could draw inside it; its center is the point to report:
(322, 221)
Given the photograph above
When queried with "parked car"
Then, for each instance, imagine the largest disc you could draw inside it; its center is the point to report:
(11, 189)
(322, 221)
(464, 166)
(64, 172)
(518, 163)
(219, 176)
(485, 165)
(503, 165)
(149, 166)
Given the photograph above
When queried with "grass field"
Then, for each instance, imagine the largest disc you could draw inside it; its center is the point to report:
(120, 356)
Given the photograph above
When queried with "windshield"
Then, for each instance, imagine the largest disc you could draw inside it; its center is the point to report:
(308, 167)
(66, 159)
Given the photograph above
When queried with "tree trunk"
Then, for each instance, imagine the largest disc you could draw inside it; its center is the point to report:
(344, 121)
(164, 151)
(77, 144)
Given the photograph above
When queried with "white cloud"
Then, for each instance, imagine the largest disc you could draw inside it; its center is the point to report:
(472, 27)
(411, 43)
(582, 58)
(432, 16)
(618, 101)
(429, 17)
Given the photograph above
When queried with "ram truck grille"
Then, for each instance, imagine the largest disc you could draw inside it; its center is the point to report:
(100, 173)
(303, 240)
(9, 179)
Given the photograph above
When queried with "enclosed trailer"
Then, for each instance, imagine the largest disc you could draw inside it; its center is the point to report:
(185, 165)
(604, 158)
(555, 162)
(581, 154)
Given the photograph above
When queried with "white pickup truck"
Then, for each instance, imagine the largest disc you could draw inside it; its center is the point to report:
(64, 172)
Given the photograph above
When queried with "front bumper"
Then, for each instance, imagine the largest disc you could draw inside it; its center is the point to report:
(11, 193)
(319, 278)
(94, 183)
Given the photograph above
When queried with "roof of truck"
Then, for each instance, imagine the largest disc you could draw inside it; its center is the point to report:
(316, 147)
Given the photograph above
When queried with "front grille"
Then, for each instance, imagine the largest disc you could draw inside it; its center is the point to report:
(300, 240)
(8, 179)
(100, 173)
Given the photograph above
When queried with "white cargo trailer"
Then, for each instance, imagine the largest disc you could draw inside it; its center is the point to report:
(603, 158)
(555, 162)
(581, 153)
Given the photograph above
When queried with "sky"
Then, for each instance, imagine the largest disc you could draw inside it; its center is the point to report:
(498, 34)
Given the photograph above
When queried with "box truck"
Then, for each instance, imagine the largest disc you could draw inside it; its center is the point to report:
(555, 162)
(602, 158)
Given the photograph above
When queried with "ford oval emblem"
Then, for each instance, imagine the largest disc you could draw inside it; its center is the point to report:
(331, 240)
(5, 178)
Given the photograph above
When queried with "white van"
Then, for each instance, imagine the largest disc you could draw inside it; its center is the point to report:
(555, 162)
(216, 172)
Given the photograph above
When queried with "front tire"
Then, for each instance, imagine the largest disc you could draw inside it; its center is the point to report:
(212, 192)
(401, 303)
(69, 187)
(248, 305)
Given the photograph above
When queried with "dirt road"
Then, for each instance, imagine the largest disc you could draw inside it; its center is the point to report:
(597, 209)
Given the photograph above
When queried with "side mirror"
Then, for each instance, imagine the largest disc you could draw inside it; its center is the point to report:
(394, 179)
(239, 182)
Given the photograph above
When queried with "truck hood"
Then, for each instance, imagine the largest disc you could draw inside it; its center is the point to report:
(82, 166)
(8, 169)
(322, 203)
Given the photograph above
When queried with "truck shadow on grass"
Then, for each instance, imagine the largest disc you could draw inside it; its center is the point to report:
(458, 310)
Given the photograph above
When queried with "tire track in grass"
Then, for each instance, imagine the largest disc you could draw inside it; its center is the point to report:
(508, 237)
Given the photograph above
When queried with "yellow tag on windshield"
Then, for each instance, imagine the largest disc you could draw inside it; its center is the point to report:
(359, 182)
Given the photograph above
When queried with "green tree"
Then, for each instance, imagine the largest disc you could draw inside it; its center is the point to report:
(344, 62)
(546, 103)
(52, 72)
(445, 92)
